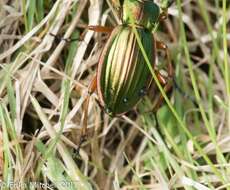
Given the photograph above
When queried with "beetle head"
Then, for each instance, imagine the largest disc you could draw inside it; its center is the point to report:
(141, 12)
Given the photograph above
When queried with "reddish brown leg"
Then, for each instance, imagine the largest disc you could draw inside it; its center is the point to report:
(92, 87)
(103, 29)
(164, 14)
(166, 88)
(161, 78)
(162, 46)
(167, 83)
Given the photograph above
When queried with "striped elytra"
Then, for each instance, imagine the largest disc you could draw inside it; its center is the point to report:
(123, 75)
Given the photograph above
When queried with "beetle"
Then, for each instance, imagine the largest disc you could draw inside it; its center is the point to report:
(123, 77)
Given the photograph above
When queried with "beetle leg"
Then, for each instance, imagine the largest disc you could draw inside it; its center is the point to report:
(92, 87)
(167, 83)
(164, 14)
(162, 46)
(161, 78)
(103, 29)
(166, 88)
(170, 71)
(67, 40)
(97, 28)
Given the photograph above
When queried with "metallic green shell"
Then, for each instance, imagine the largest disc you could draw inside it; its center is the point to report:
(123, 76)
(142, 12)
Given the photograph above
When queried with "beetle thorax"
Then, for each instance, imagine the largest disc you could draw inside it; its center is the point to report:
(142, 12)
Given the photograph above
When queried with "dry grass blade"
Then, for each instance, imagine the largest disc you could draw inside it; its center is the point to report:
(48, 56)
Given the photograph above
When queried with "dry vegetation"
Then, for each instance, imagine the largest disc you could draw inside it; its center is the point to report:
(43, 83)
